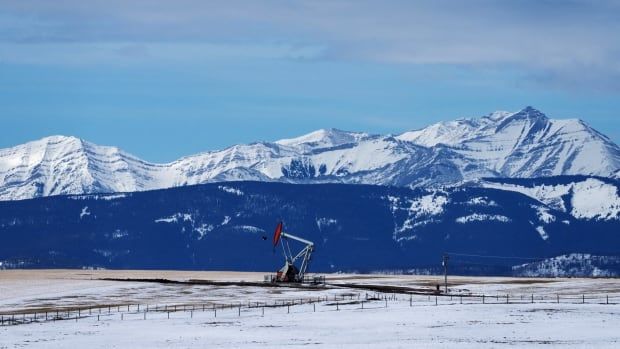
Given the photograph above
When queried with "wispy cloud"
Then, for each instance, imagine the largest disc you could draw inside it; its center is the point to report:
(559, 43)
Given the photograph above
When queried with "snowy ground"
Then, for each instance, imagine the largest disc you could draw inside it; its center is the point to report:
(400, 321)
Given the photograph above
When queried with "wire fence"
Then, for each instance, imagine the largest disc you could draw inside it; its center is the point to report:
(353, 301)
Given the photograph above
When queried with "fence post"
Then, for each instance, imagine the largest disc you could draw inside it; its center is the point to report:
(97, 317)
(410, 300)
(314, 307)
(386, 303)
(583, 299)
(145, 315)
(263, 314)
(121, 316)
(435, 300)
(607, 299)
(507, 298)
(558, 298)
(337, 308)
(532, 298)
(483, 299)
(239, 311)
(288, 308)
(460, 299)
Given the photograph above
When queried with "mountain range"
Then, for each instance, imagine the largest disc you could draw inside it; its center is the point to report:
(523, 144)
(505, 194)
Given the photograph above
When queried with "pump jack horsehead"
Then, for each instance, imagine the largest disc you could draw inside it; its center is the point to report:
(289, 272)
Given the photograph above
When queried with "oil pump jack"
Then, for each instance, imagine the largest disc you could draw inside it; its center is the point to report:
(290, 272)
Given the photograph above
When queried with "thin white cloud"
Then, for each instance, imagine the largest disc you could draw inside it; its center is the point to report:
(553, 42)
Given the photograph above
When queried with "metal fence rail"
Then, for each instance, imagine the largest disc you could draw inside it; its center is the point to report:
(351, 301)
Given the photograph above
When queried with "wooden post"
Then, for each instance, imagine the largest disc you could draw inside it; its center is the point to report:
(532, 298)
(314, 307)
(435, 300)
(410, 300)
(483, 299)
(558, 298)
(337, 308)
(444, 263)
(506, 298)
(583, 299)
(263, 314)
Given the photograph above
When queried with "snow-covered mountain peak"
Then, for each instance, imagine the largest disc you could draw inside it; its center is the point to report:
(498, 115)
(527, 114)
(324, 138)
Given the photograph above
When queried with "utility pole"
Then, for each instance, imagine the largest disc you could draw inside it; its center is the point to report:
(444, 263)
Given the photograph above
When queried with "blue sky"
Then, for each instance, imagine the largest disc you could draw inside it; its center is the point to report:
(162, 79)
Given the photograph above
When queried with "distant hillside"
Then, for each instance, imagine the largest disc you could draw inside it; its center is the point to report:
(355, 227)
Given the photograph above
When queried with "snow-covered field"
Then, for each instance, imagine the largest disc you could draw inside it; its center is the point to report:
(389, 320)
